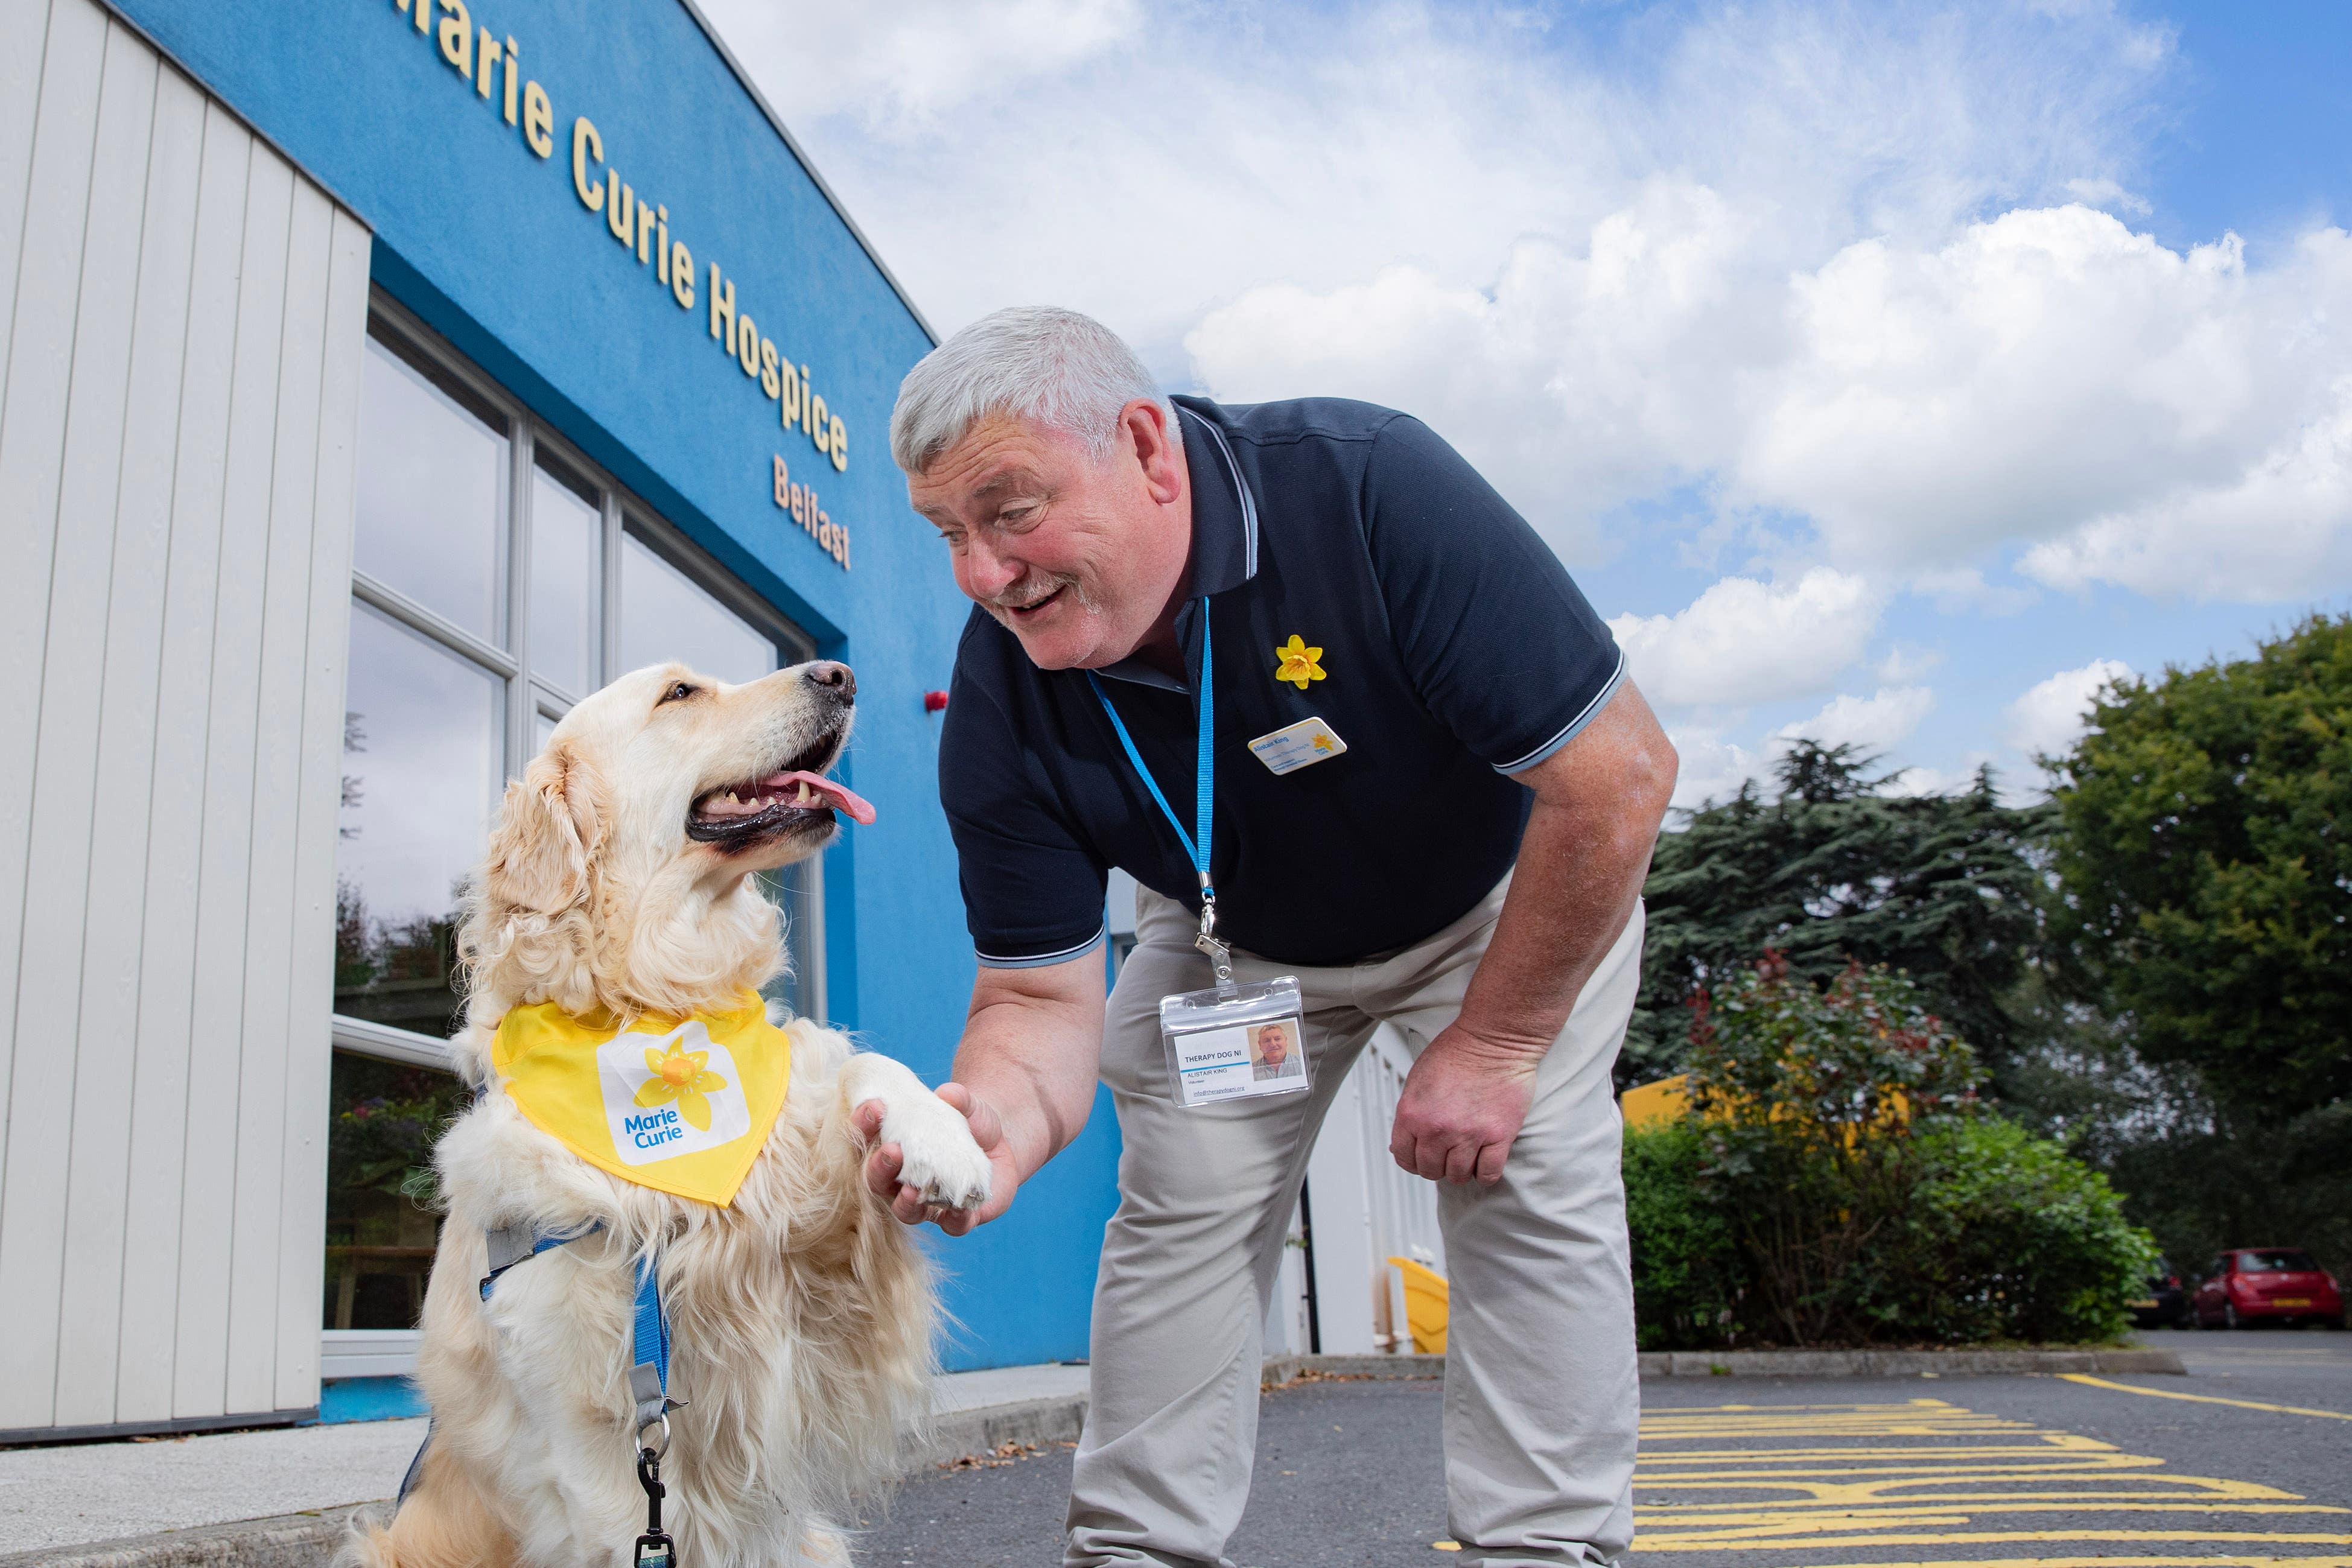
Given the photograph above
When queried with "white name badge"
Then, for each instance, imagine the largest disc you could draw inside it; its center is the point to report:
(1297, 746)
(1235, 1044)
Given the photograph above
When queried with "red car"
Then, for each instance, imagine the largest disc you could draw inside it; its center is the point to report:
(2255, 1285)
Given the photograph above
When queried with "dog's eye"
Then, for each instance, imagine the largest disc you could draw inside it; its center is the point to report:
(676, 694)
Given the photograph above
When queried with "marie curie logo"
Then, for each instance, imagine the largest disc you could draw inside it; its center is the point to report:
(672, 1094)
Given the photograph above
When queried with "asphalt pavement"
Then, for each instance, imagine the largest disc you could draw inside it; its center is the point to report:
(2246, 1463)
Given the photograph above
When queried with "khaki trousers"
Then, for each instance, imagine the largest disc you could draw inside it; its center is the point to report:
(1542, 1398)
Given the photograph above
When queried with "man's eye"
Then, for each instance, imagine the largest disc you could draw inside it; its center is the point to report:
(678, 693)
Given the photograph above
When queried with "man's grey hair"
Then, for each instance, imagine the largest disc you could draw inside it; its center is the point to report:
(1037, 363)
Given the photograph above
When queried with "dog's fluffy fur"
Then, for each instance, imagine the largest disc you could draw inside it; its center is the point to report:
(802, 1316)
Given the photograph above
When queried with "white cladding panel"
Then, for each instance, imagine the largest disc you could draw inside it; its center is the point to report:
(181, 319)
(1366, 1210)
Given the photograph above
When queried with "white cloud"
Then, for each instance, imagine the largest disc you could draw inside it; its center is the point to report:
(912, 59)
(1907, 661)
(2108, 193)
(1713, 768)
(2038, 371)
(2052, 713)
(1743, 641)
(1877, 724)
(1854, 287)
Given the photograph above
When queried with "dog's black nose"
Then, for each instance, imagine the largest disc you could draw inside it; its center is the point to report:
(833, 678)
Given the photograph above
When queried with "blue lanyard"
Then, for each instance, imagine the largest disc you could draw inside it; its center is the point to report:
(1196, 844)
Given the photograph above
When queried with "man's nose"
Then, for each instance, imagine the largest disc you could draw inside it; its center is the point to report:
(832, 678)
(987, 573)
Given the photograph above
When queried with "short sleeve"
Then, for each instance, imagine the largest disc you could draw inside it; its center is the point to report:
(1495, 634)
(1032, 893)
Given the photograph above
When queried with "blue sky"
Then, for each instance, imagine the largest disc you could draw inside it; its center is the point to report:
(1885, 372)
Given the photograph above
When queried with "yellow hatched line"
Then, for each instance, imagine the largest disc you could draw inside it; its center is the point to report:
(1735, 1513)
(1838, 1484)
(1691, 1542)
(2046, 1444)
(2201, 1562)
(1687, 1431)
(1812, 1463)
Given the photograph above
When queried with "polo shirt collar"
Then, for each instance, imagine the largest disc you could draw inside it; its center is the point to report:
(1224, 535)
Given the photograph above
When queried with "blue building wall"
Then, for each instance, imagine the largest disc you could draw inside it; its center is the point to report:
(491, 244)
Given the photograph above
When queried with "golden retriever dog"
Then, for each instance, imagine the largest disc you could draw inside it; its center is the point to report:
(619, 882)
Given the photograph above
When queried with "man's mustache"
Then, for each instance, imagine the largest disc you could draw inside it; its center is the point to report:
(1031, 591)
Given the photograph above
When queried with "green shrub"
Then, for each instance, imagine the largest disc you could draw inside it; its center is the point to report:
(2011, 1237)
(1835, 1183)
(1813, 1103)
(1686, 1269)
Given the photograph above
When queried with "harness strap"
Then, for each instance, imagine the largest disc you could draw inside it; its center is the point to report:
(648, 1326)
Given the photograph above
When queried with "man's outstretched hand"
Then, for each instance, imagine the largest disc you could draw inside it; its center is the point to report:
(883, 1162)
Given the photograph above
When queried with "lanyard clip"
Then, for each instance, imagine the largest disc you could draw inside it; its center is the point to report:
(1220, 954)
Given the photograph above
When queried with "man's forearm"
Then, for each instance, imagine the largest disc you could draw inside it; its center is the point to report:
(1582, 861)
(1571, 895)
(1034, 1059)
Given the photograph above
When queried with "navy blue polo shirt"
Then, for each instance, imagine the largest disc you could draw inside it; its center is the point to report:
(1455, 651)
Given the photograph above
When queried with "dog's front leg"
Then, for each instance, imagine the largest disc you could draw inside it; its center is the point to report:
(941, 1160)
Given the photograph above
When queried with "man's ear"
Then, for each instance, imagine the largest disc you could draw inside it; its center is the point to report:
(548, 833)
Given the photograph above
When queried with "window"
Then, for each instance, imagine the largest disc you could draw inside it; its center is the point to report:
(496, 578)
(2276, 1262)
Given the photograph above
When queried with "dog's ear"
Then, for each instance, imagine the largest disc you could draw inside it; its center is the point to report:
(548, 832)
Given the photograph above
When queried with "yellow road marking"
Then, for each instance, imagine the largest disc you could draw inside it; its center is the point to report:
(2089, 1381)
(2113, 1563)
(1826, 1476)
(1692, 1542)
(1920, 1509)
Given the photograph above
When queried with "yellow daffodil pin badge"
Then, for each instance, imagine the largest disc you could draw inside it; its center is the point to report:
(1296, 663)
(683, 1076)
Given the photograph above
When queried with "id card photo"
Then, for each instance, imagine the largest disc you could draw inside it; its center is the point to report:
(1275, 1051)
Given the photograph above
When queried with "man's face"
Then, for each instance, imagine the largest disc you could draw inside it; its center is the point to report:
(1077, 557)
(1272, 1044)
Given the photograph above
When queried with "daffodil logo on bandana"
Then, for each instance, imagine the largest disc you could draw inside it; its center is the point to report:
(677, 1096)
(682, 1105)
(1295, 661)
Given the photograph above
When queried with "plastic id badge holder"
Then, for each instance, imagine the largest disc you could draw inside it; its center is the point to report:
(1235, 1043)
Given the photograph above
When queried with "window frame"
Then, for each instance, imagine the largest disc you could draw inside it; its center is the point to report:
(529, 699)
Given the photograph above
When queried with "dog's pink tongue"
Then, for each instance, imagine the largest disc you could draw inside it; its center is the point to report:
(838, 796)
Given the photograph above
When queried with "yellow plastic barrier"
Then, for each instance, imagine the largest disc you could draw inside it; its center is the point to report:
(1427, 1303)
(1667, 1100)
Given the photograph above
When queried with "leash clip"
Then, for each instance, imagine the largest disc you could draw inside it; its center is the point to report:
(653, 1549)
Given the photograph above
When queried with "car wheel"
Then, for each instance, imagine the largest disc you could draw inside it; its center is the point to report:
(2230, 1316)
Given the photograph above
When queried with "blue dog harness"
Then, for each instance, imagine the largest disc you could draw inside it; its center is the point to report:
(649, 1336)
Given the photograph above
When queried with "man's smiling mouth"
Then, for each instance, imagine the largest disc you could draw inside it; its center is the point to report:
(1039, 605)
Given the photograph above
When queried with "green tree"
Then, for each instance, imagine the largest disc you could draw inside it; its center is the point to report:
(2207, 872)
(1833, 866)
(2206, 892)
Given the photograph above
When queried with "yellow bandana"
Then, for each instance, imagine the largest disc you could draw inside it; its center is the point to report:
(684, 1105)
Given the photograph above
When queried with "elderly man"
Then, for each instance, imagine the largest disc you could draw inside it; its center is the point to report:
(1296, 659)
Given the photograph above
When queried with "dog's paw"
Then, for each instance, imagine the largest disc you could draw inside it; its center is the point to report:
(941, 1161)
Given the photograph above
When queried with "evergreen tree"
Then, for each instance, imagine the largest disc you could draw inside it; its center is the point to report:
(1837, 867)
